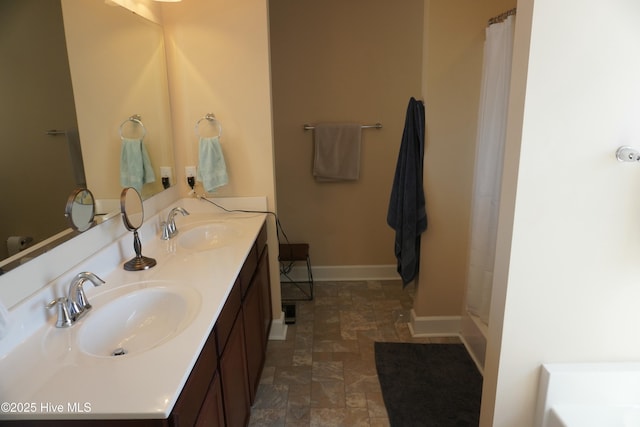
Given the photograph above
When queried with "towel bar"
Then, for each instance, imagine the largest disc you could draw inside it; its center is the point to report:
(136, 119)
(376, 126)
(210, 118)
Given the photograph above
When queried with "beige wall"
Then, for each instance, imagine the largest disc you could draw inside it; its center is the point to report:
(218, 52)
(354, 61)
(118, 68)
(454, 39)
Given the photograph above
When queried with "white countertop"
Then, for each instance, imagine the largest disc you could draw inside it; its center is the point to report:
(48, 376)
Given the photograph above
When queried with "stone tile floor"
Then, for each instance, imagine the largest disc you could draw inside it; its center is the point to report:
(324, 373)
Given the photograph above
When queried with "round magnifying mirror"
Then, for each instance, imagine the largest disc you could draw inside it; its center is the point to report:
(131, 209)
(80, 210)
(132, 217)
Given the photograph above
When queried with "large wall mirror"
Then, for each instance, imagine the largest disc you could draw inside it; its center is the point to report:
(73, 71)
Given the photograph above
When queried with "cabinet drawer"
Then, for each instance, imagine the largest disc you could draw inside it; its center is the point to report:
(261, 240)
(249, 267)
(228, 316)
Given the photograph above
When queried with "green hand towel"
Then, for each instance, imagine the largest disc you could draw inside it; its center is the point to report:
(135, 164)
(212, 170)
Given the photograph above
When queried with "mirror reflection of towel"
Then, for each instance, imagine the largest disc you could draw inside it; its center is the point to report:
(212, 170)
(337, 152)
(135, 164)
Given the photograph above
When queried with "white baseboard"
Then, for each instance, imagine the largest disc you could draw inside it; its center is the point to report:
(474, 336)
(434, 326)
(278, 331)
(445, 326)
(338, 273)
(473, 355)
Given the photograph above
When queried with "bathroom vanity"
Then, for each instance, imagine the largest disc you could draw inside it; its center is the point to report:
(207, 308)
(234, 353)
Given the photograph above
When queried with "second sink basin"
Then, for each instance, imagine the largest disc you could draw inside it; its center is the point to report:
(208, 236)
(138, 321)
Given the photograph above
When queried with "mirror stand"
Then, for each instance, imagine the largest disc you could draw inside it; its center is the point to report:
(139, 262)
(133, 216)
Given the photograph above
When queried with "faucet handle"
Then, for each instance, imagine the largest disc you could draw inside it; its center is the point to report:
(64, 319)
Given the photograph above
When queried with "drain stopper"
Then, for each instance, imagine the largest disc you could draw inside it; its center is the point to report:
(119, 352)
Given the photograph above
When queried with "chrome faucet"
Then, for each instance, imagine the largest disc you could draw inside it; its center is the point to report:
(78, 303)
(75, 305)
(169, 229)
(64, 319)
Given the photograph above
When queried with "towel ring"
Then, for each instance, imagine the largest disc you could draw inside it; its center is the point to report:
(136, 119)
(211, 118)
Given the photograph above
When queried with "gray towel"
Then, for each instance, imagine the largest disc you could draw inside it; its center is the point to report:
(337, 152)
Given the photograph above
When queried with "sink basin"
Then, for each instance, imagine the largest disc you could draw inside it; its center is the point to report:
(138, 321)
(208, 236)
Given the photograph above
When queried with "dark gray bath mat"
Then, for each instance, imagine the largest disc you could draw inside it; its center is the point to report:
(429, 385)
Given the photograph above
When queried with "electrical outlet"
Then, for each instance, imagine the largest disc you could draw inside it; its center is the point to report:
(165, 174)
(190, 171)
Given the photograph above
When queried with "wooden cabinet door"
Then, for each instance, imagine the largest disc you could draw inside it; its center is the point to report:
(233, 376)
(190, 402)
(263, 282)
(253, 335)
(212, 411)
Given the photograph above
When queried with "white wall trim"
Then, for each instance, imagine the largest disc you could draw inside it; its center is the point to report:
(474, 336)
(444, 326)
(278, 331)
(345, 272)
(434, 326)
(473, 356)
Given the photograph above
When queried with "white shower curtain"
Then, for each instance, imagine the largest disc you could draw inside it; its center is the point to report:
(490, 139)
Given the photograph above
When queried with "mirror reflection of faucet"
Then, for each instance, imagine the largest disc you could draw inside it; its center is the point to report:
(72, 307)
(169, 229)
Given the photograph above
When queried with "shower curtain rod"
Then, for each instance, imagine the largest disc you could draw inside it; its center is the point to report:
(376, 126)
(501, 17)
